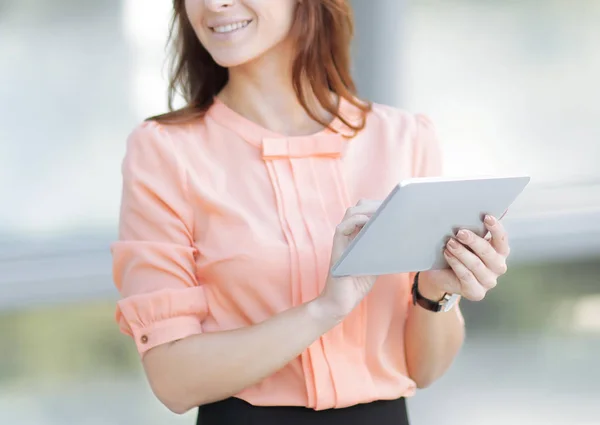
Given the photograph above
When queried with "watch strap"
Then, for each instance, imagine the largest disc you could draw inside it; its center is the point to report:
(420, 300)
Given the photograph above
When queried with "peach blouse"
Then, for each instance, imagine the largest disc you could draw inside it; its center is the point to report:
(224, 224)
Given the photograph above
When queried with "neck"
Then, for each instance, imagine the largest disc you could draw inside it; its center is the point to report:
(262, 91)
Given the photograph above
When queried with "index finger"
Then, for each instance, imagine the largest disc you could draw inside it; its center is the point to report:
(499, 236)
(364, 207)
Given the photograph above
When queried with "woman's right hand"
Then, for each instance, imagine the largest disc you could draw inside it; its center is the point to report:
(342, 294)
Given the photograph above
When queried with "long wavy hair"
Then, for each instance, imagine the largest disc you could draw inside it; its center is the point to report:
(322, 31)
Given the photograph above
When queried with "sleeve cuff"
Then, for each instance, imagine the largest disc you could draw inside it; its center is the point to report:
(163, 316)
(165, 331)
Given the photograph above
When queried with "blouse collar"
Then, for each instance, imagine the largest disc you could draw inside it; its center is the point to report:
(329, 142)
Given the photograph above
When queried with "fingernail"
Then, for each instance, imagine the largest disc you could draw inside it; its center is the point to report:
(463, 235)
(489, 220)
(452, 244)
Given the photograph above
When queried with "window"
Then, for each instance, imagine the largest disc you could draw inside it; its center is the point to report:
(512, 88)
(76, 78)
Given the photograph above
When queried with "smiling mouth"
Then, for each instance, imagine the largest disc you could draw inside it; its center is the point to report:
(224, 29)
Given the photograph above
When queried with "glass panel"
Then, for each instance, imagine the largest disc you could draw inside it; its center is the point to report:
(76, 77)
(512, 85)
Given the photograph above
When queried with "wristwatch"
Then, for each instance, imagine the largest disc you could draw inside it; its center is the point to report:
(443, 305)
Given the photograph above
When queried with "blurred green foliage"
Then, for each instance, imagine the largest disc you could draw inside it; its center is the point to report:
(73, 341)
(534, 298)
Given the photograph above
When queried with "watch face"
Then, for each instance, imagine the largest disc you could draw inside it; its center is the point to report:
(451, 300)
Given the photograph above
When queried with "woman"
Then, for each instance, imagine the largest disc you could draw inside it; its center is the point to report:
(234, 207)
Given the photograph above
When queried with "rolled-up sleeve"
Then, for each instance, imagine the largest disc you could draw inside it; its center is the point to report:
(154, 257)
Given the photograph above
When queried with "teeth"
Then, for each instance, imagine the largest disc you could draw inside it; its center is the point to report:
(231, 27)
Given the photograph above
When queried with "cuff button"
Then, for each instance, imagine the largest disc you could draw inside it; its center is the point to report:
(144, 339)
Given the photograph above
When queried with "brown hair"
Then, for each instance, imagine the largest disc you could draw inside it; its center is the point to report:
(322, 30)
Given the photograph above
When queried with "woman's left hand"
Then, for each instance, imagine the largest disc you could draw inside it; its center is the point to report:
(476, 263)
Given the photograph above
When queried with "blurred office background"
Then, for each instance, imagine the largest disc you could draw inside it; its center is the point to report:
(512, 86)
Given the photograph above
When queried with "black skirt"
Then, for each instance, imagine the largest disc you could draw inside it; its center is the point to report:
(234, 411)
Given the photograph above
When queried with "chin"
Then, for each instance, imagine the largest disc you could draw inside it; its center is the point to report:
(232, 60)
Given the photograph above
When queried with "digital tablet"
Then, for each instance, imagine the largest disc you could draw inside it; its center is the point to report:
(410, 229)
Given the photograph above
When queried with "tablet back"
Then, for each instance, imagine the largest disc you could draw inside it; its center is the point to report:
(409, 231)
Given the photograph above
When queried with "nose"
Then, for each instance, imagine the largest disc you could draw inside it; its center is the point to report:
(218, 5)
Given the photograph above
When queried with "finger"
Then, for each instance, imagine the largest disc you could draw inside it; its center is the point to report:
(348, 226)
(362, 209)
(499, 236)
(344, 230)
(469, 287)
(484, 250)
(482, 274)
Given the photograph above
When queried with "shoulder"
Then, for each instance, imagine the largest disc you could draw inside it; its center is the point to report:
(413, 133)
(145, 136)
(152, 151)
(151, 135)
(399, 120)
(163, 142)
(413, 130)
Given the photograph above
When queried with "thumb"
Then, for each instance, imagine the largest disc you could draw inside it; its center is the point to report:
(343, 234)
